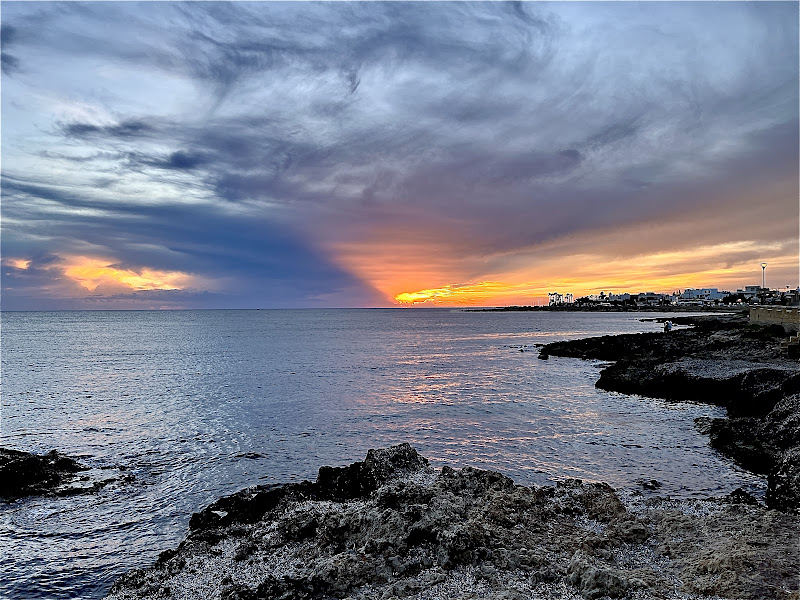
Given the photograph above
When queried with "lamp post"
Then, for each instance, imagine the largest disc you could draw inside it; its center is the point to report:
(763, 275)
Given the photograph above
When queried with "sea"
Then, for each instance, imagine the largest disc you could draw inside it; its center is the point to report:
(179, 408)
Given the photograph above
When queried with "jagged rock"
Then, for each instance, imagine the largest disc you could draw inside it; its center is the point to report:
(741, 496)
(593, 580)
(391, 527)
(361, 478)
(25, 474)
(783, 483)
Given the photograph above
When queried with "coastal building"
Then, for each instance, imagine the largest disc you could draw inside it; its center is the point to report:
(652, 299)
(699, 297)
(750, 291)
(702, 294)
(751, 294)
(619, 297)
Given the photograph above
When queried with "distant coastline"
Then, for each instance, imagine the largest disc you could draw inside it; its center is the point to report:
(573, 308)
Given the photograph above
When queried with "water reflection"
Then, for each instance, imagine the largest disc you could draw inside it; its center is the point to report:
(200, 404)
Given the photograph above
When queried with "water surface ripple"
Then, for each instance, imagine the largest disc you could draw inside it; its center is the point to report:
(198, 404)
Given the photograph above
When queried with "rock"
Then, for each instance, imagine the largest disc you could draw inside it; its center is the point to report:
(741, 496)
(649, 484)
(742, 440)
(593, 580)
(745, 388)
(361, 478)
(25, 474)
(391, 527)
(783, 482)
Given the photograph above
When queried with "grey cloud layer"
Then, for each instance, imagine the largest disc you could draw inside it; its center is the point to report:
(530, 121)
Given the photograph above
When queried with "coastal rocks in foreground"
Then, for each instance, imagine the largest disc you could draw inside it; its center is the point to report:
(725, 361)
(53, 474)
(392, 527)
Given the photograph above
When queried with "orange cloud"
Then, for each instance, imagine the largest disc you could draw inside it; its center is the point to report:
(473, 294)
(527, 280)
(100, 274)
(17, 263)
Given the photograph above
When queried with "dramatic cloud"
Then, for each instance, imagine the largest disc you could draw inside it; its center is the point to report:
(311, 154)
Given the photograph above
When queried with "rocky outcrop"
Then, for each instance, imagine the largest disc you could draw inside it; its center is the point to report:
(722, 360)
(26, 474)
(745, 388)
(392, 527)
(53, 474)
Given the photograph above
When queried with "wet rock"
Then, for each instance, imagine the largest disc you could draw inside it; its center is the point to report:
(745, 388)
(649, 484)
(742, 440)
(25, 474)
(741, 496)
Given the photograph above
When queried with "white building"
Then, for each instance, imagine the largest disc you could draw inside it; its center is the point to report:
(619, 297)
(750, 291)
(702, 294)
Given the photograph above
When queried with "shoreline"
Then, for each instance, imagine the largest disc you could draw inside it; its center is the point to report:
(721, 360)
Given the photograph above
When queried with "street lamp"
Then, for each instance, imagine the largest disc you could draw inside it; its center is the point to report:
(763, 274)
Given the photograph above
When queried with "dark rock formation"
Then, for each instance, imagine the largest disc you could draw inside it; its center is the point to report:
(26, 474)
(722, 360)
(391, 527)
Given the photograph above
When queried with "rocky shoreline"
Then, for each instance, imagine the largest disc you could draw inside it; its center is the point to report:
(392, 527)
(721, 360)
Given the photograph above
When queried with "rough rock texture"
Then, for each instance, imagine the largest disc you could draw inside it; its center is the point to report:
(722, 360)
(26, 474)
(391, 527)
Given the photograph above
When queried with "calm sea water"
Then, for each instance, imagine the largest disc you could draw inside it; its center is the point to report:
(198, 404)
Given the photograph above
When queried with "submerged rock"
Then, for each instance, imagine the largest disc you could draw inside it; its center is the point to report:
(392, 527)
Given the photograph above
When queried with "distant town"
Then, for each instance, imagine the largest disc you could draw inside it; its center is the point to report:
(750, 295)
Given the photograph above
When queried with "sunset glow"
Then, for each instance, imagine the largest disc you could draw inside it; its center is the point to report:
(582, 275)
(395, 154)
(17, 263)
(468, 293)
(92, 273)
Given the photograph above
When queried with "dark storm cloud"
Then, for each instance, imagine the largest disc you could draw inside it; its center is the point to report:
(251, 137)
(126, 129)
(270, 265)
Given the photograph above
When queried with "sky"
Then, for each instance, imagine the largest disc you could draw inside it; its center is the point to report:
(360, 154)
